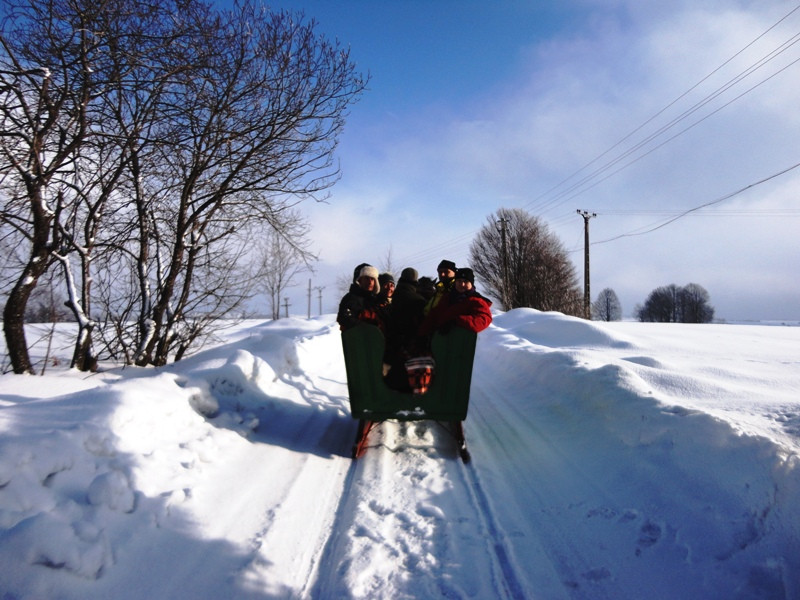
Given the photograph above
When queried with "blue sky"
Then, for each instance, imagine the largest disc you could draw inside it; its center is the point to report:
(636, 110)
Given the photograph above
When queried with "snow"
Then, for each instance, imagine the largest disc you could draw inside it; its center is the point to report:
(609, 460)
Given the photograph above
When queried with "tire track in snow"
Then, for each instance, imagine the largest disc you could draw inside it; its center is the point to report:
(304, 439)
(378, 543)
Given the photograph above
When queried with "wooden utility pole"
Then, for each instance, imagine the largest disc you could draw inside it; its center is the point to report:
(587, 298)
(309, 297)
(319, 289)
(506, 303)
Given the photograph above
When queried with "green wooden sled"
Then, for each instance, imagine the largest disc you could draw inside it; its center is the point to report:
(371, 399)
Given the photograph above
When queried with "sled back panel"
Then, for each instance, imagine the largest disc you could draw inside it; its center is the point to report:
(370, 398)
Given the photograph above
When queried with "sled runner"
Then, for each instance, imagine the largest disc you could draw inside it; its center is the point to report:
(372, 401)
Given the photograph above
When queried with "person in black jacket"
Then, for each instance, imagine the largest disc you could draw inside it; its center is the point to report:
(386, 281)
(402, 341)
(426, 286)
(360, 304)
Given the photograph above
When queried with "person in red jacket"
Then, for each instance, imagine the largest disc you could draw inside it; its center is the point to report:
(463, 307)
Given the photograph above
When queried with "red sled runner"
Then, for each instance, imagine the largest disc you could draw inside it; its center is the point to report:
(446, 400)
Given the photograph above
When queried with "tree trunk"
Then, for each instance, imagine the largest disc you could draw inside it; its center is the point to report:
(83, 356)
(14, 314)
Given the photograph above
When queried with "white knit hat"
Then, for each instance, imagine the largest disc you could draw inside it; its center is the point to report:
(370, 271)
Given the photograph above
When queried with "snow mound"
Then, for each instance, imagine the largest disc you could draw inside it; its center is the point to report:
(112, 490)
(557, 330)
(52, 541)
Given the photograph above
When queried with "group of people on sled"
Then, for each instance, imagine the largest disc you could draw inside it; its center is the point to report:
(408, 312)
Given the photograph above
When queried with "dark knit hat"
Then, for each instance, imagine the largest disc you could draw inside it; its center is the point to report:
(445, 265)
(426, 286)
(385, 278)
(409, 275)
(465, 273)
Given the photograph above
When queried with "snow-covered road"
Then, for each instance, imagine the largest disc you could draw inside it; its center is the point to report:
(608, 461)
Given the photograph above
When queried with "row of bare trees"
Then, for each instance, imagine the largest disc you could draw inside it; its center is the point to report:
(146, 147)
(666, 304)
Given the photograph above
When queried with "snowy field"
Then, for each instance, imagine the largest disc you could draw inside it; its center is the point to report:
(609, 460)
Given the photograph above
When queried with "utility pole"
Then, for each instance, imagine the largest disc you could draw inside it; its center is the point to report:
(286, 306)
(319, 289)
(503, 222)
(587, 302)
(309, 297)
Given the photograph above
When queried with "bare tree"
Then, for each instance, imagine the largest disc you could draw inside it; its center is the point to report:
(607, 306)
(143, 141)
(540, 274)
(387, 264)
(344, 282)
(284, 255)
(661, 306)
(141, 122)
(80, 43)
(256, 124)
(46, 85)
(694, 304)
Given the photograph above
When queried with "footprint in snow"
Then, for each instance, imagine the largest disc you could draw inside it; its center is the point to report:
(379, 509)
(597, 574)
(649, 534)
(425, 509)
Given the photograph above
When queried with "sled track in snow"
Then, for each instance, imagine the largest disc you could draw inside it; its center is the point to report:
(333, 558)
(510, 581)
(323, 585)
(332, 562)
(546, 483)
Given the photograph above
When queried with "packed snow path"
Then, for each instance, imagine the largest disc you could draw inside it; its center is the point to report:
(608, 461)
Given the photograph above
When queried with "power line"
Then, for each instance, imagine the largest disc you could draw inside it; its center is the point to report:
(681, 132)
(582, 185)
(437, 251)
(765, 212)
(701, 206)
(653, 117)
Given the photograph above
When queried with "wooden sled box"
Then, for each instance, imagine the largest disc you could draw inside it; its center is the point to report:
(371, 399)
